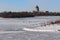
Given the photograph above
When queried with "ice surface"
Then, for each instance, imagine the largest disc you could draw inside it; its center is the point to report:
(17, 24)
(13, 28)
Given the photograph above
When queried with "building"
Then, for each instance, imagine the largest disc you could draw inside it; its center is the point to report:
(37, 8)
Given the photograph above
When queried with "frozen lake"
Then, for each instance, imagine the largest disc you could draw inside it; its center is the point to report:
(16, 24)
(12, 28)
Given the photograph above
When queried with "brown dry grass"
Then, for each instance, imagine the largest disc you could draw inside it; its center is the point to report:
(55, 22)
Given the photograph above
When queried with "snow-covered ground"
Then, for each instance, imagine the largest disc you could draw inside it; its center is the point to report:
(19, 24)
(47, 28)
(29, 28)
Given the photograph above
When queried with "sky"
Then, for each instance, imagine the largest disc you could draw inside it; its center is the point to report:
(29, 5)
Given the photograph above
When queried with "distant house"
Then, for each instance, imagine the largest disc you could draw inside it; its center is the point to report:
(37, 8)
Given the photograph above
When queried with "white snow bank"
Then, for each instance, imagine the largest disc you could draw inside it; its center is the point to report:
(37, 30)
(48, 28)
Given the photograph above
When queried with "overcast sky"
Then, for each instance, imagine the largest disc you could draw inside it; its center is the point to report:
(29, 5)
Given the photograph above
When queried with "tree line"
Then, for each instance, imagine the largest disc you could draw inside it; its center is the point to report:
(27, 14)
